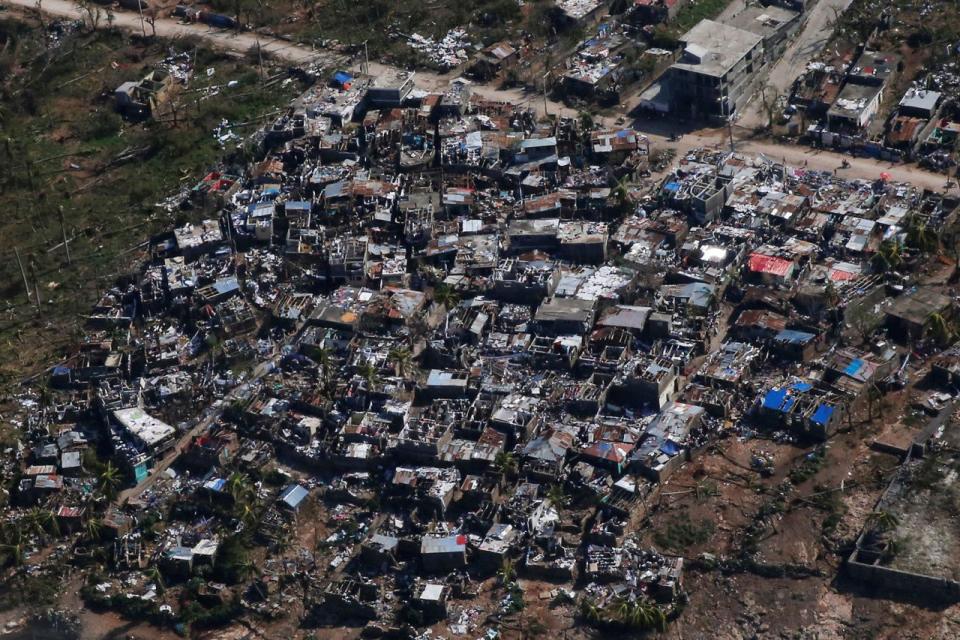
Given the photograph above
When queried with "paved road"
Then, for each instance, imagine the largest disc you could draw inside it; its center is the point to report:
(810, 41)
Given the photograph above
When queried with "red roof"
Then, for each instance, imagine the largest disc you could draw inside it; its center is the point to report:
(769, 264)
(842, 276)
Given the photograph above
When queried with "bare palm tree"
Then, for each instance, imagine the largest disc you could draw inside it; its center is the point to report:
(110, 480)
(883, 521)
(12, 546)
(371, 377)
(402, 360)
(556, 496)
(506, 464)
(92, 529)
(446, 296)
(238, 486)
(590, 611)
(153, 575)
(943, 333)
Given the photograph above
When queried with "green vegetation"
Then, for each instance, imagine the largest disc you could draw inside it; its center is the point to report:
(828, 501)
(635, 615)
(681, 533)
(808, 467)
(35, 591)
(64, 149)
(382, 23)
(693, 12)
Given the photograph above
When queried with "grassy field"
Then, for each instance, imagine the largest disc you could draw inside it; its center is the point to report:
(64, 151)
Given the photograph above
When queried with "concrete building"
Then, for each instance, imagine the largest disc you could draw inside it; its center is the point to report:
(716, 73)
(855, 107)
(389, 89)
(775, 25)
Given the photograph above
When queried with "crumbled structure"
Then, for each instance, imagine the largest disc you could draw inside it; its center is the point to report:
(424, 339)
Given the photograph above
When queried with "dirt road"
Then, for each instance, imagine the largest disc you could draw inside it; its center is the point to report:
(814, 35)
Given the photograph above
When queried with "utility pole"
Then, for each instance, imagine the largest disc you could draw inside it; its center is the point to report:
(260, 58)
(546, 109)
(140, 10)
(725, 110)
(26, 284)
(63, 232)
(366, 59)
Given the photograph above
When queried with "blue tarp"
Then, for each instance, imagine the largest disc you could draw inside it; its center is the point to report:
(853, 367)
(778, 400)
(672, 186)
(801, 386)
(670, 448)
(822, 415)
(342, 77)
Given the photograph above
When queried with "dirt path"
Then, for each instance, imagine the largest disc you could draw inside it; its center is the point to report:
(810, 40)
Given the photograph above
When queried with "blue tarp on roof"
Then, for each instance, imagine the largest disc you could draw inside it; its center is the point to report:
(670, 448)
(822, 415)
(672, 186)
(853, 367)
(778, 400)
(801, 386)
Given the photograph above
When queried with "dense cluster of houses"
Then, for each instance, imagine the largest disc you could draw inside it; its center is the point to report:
(479, 340)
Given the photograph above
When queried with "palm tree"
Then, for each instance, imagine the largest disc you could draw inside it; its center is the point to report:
(41, 522)
(589, 611)
(153, 575)
(705, 489)
(883, 521)
(247, 514)
(109, 480)
(324, 358)
(919, 236)
(942, 331)
(621, 609)
(506, 464)
(556, 496)
(92, 529)
(622, 195)
(446, 296)
(830, 293)
(402, 360)
(370, 376)
(507, 572)
(657, 617)
(12, 546)
(888, 256)
(245, 569)
(238, 486)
